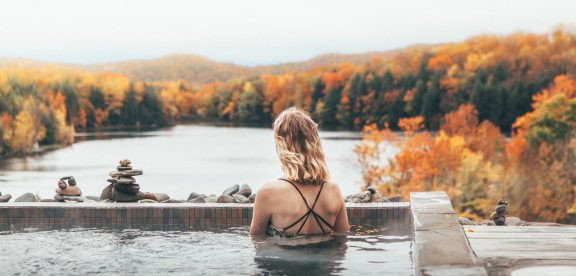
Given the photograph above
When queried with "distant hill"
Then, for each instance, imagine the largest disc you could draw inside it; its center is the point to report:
(193, 68)
(199, 69)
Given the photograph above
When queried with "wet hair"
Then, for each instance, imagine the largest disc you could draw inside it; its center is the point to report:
(299, 148)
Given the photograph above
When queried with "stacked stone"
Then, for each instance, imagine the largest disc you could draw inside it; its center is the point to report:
(124, 186)
(68, 191)
(499, 217)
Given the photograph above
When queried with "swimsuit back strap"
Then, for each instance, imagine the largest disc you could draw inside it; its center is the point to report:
(311, 211)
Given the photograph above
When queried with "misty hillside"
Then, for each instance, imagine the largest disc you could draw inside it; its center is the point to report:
(199, 69)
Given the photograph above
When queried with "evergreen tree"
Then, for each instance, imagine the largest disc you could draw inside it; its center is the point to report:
(328, 113)
(129, 110)
(150, 109)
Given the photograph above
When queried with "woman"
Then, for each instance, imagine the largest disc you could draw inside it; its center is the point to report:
(303, 201)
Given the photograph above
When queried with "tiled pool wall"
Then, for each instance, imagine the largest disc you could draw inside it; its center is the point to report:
(173, 216)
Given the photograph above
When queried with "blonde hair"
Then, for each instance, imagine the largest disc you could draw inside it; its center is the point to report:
(299, 148)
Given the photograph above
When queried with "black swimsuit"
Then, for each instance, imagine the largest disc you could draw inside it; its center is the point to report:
(311, 212)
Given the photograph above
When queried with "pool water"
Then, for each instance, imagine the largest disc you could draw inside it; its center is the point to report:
(79, 251)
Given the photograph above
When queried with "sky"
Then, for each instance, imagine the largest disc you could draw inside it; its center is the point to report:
(255, 32)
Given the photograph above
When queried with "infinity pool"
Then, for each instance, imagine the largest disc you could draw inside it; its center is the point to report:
(79, 251)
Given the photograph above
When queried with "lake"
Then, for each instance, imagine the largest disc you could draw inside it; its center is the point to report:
(176, 161)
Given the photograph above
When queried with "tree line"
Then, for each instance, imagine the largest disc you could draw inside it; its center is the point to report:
(497, 75)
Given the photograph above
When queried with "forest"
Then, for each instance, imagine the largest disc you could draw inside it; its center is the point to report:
(502, 109)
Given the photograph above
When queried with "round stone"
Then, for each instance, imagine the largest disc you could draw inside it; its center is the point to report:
(112, 180)
(62, 184)
(124, 168)
(231, 190)
(107, 192)
(245, 190)
(501, 209)
(127, 188)
(241, 199)
(125, 197)
(69, 191)
(197, 200)
(5, 198)
(225, 199)
(125, 162)
(126, 173)
(126, 180)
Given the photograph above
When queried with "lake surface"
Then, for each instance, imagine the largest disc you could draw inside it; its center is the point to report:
(176, 161)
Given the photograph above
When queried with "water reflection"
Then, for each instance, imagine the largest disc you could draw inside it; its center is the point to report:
(322, 258)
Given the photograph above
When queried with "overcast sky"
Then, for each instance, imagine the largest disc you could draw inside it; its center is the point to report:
(254, 32)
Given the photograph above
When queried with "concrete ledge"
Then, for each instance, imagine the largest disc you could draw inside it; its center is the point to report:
(440, 244)
(172, 216)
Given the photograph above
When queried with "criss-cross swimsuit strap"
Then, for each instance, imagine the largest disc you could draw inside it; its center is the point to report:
(311, 211)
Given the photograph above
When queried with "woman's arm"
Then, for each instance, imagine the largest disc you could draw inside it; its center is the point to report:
(341, 225)
(261, 212)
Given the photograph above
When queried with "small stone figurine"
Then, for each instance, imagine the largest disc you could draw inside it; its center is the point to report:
(68, 191)
(499, 217)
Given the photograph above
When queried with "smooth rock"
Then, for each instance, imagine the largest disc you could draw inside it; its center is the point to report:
(500, 221)
(514, 221)
(156, 196)
(147, 201)
(381, 199)
(211, 199)
(193, 195)
(238, 198)
(395, 198)
(126, 180)
(465, 221)
(172, 201)
(125, 162)
(72, 181)
(49, 200)
(69, 191)
(377, 197)
(361, 197)
(112, 180)
(245, 190)
(107, 192)
(501, 209)
(127, 188)
(252, 197)
(231, 190)
(62, 184)
(197, 200)
(133, 172)
(74, 198)
(124, 197)
(5, 198)
(371, 189)
(225, 199)
(124, 168)
(490, 223)
(495, 215)
(27, 197)
(59, 198)
(94, 198)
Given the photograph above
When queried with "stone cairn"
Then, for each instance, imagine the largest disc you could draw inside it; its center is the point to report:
(499, 217)
(68, 190)
(123, 186)
(370, 195)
